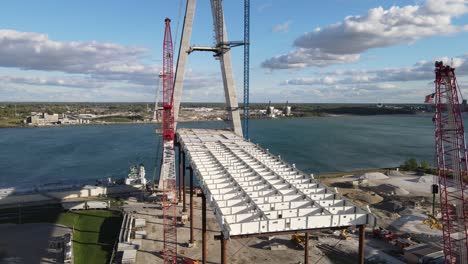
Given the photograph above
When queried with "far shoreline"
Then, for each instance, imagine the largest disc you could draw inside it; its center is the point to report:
(206, 120)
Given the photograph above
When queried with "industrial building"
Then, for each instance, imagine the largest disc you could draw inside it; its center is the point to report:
(44, 119)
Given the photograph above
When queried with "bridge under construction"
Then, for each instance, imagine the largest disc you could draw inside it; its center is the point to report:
(251, 191)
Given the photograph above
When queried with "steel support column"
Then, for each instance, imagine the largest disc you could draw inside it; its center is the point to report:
(180, 173)
(191, 205)
(223, 249)
(306, 248)
(203, 228)
(184, 186)
(362, 236)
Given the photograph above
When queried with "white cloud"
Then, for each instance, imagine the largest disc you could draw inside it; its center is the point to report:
(311, 81)
(50, 88)
(406, 84)
(343, 42)
(284, 27)
(263, 7)
(89, 67)
(301, 58)
(451, 7)
(66, 81)
(35, 51)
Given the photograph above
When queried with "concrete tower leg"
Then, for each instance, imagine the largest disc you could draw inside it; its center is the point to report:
(226, 70)
(230, 93)
(182, 58)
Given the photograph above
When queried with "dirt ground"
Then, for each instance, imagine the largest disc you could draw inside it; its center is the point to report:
(400, 200)
(324, 247)
(28, 243)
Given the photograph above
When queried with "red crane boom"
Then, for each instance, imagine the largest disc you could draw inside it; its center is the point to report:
(168, 159)
(168, 84)
(451, 164)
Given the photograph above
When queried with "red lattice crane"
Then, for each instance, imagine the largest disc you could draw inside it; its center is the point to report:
(168, 159)
(451, 164)
(168, 84)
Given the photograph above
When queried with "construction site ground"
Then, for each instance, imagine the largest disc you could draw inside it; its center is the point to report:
(325, 246)
(400, 200)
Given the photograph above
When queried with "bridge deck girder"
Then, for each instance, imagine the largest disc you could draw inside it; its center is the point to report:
(252, 191)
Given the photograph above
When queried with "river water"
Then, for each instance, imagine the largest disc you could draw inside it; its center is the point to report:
(32, 156)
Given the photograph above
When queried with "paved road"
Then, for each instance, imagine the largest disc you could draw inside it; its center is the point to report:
(28, 243)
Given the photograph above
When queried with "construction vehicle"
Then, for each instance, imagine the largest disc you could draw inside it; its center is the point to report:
(299, 240)
(344, 235)
(432, 222)
(189, 261)
(384, 234)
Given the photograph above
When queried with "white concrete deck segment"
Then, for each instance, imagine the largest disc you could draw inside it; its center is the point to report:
(168, 164)
(252, 191)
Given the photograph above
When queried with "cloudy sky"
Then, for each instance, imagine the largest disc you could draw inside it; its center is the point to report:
(345, 51)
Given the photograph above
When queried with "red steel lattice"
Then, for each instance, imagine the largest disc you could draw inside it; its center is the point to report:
(169, 183)
(168, 84)
(451, 164)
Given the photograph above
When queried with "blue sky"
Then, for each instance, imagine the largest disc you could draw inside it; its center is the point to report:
(301, 51)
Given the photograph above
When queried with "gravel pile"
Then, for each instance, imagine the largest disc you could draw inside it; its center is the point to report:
(394, 173)
(428, 179)
(390, 206)
(364, 197)
(373, 176)
(389, 189)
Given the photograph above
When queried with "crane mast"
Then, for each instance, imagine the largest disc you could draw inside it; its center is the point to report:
(168, 158)
(168, 84)
(451, 164)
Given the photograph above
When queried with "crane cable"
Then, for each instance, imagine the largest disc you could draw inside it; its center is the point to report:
(178, 22)
(459, 90)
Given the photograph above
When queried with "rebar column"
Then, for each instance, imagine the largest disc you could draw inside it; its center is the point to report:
(223, 249)
(203, 228)
(362, 236)
(184, 186)
(191, 205)
(306, 248)
(180, 173)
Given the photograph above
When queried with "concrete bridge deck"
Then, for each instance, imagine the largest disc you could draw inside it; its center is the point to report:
(252, 191)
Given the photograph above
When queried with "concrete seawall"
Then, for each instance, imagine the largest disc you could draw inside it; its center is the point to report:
(86, 191)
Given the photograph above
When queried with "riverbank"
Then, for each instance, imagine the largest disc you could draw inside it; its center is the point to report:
(17, 123)
(352, 172)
